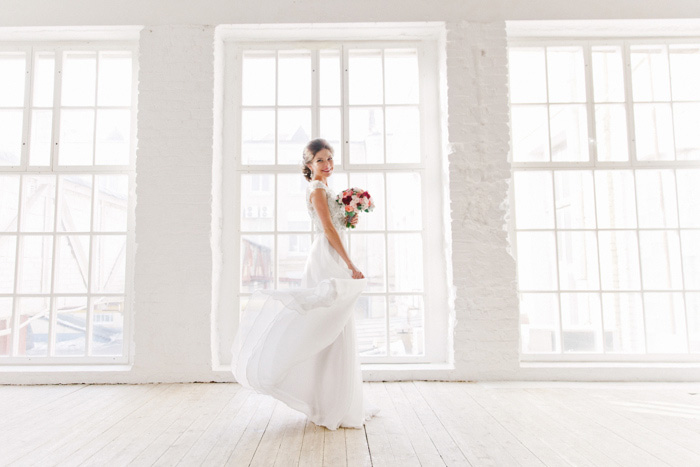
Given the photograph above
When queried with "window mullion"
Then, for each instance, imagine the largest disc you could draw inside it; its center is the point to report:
(315, 94)
(629, 103)
(345, 110)
(28, 98)
(56, 122)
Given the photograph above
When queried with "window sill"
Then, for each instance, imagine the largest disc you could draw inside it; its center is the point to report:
(59, 368)
(594, 365)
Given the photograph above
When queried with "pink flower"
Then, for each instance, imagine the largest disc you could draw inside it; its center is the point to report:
(349, 209)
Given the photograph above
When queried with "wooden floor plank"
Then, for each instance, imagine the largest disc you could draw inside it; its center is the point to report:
(586, 403)
(440, 436)
(420, 423)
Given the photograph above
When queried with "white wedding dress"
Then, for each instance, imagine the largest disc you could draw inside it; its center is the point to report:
(299, 345)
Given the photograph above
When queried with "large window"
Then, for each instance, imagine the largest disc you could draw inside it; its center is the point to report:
(606, 168)
(67, 144)
(371, 101)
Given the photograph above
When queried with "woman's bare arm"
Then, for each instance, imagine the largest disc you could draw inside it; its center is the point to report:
(318, 199)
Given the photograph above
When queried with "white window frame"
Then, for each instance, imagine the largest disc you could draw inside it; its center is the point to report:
(30, 48)
(593, 164)
(434, 292)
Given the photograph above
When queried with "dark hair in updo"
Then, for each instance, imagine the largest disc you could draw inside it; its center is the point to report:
(311, 149)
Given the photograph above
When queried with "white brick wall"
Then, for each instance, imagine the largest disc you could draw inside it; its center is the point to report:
(173, 212)
(486, 304)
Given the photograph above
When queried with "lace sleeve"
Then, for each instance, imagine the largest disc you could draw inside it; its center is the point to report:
(314, 185)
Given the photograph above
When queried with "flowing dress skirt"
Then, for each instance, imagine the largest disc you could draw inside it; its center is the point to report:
(299, 345)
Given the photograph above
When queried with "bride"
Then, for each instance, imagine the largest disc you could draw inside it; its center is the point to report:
(299, 345)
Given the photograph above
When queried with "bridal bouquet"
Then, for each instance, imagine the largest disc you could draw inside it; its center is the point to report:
(354, 200)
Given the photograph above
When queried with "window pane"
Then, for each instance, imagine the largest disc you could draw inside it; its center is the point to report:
(111, 203)
(569, 131)
(8, 248)
(581, 322)
(615, 201)
(539, 318)
(109, 263)
(406, 317)
(257, 202)
(686, 128)
(608, 83)
(256, 262)
(366, 135)
(401, 76)
(12, 77)
(688, 196)
(75, 203)
(258, 137)
(692, 306)
(537, 268)
(665, 320)
(108, 326)
(77, 128)
(365, 76)
(619, 260)
(661, 260)
(656, 198)
(329, 79)
(71, 326)
(368, 253)
(623, 322)
(294, 77)
(293, 132)
(78, 82)
(565, 74)
(9, 202)
(38, 196)
(690, 239)
(653, 130)
(331, 129)
(373, 183)
(292, 250)
(40, 145)
(402, 135)
(530, 133)
(113, 145)
(578, 260)
(575, 204)
(33, 329)
(35, 259)
(533, 200)
(405, 262)
(370, 322)
(114, 81)
(611, 132)
(10, 137)
(685, 72)
(43, 79)
(72, 263)
(258, 78)
(404, 193)
(291, 199)
(527, 75)
(650, 73)
(5, 325)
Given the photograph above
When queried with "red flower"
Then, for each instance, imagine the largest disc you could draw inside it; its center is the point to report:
(347, 199)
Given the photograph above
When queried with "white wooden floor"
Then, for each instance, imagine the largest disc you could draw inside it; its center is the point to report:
(420, 423)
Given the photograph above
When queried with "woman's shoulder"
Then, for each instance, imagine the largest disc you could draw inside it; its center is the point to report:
(315, 184)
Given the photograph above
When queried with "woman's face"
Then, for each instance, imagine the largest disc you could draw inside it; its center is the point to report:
(322, 164)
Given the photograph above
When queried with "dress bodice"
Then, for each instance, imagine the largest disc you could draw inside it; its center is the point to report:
(336, 210)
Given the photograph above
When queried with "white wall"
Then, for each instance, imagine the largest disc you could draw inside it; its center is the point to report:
(176, 171)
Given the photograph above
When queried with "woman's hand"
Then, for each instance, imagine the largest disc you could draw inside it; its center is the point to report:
(354, 219)
(356, 273)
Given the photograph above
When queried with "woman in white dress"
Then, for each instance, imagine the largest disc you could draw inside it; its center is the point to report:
(299, 345)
